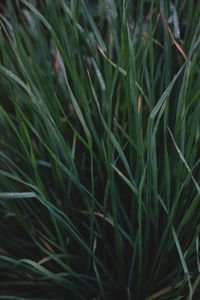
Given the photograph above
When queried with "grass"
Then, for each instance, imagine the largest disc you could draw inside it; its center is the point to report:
(99, 150)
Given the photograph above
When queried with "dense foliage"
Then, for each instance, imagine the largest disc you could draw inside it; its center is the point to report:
(99, 149)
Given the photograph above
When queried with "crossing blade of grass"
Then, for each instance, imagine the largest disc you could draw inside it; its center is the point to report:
(12, 76)
(124, 178)
(185, 163)
(165, 95)
(184, 265)
(21, 298)
(17, 195)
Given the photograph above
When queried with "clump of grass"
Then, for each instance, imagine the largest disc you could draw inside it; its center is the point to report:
(99, 150)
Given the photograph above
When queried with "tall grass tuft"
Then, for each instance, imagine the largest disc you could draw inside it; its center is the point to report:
(99, 149)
